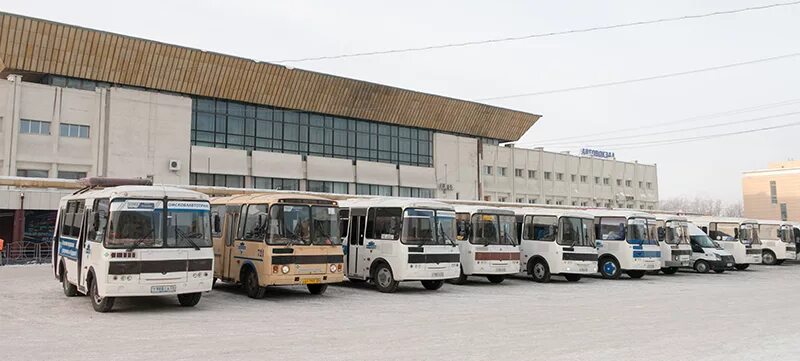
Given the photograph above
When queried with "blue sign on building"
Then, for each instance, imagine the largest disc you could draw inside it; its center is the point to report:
(597, 153)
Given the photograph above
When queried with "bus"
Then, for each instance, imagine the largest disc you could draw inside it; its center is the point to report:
(263, 240)
(624, 243)
(556, 242)
(391, 240)
(777, 242)
(124, 238)
(736, 235)
(673, 239)
(707, 254)
(487, 241)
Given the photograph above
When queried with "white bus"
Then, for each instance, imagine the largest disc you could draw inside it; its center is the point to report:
(777, 242)
(624, 243)
(707, 255)
(673, 239)
(556, 242)
(487, 240)
(736, 235)
(390, 240)
(133, 240)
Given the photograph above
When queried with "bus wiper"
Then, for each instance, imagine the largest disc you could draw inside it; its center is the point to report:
(444, 235)
(187, 239)
(140, 240)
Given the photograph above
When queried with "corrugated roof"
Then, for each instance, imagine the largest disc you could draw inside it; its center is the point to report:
(29, 45)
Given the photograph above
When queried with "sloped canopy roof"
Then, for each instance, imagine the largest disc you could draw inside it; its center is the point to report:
(35, 46)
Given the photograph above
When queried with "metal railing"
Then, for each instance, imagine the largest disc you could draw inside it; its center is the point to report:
(27, 253)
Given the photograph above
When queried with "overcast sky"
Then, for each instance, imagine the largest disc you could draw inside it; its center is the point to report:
(277, 30)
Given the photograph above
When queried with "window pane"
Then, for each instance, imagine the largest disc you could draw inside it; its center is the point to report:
(84, 132)
(63, 129)
(235, 125)
(205, 121)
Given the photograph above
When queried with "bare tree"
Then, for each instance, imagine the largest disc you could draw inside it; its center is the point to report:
(702, 205)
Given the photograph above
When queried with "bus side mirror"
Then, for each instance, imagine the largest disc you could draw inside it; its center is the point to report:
(217, 224)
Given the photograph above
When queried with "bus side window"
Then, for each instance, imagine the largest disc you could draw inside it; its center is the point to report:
(64, 223)
(544, 228)
(462, 226)
(344, 218)
(216, 220)
(662, 233)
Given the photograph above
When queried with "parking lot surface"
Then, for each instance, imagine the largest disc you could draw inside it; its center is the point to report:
(746, 315)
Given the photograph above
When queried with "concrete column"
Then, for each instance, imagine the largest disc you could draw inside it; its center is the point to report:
(13, 123)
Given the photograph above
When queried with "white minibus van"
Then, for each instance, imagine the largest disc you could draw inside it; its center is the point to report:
(707, 254)
(673, 239)
(133, 240)
(391, 240)
(777, 241)
(624, 243)
(737, 235)
(487, 241)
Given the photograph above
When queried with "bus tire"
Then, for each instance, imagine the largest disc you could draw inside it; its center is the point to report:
(496, 278)
(317, 289)
(461, 279)
(741, 266)
(609, 268)
(70, 290)
(768, 258)
(572, 278)
(189, 299)
(539, 270)
(635, 274)
(701, 266)
(100, 304)
(669, 270)
(383, 278)
(251, 286)
(432, 285)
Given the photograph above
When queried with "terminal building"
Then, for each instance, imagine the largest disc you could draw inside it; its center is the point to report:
(773, 193)
(77, 102)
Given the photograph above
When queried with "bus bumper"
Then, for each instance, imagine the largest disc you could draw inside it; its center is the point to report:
(645, 264)
(576, 267)
(135, 289)
(495, 268)
(430, 271)
(304, 279)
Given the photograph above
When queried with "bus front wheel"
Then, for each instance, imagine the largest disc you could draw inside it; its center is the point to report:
(701, 266)
(742, 267)
(540, 271)
(462, 278)
(317, 289)
(254, 290)
(100, 304)
(384, 279)
(432, 285)
(768, 258)
(189, 299)
(609, 268)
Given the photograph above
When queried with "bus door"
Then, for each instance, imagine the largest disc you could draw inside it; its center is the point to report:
(355, 242)
(94, 229)
(231, 222)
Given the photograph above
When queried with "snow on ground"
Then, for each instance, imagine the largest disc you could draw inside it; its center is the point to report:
(747, 315)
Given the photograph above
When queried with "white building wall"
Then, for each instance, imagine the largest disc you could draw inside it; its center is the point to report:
(598, 189)
(455, 163)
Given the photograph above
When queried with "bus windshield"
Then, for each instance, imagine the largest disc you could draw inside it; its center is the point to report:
(677, 232)
(703, 241)
(576, 232)
(446, 226)
(748, 234)
(637, 231)
(303, 225)
(188, 224)
(493, 229)
(140, 224)
(418, 227)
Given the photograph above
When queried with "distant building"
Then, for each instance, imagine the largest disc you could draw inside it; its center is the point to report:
(773, 193)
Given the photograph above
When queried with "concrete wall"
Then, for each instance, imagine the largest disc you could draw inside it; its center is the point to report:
(455, 163)
(558, 179)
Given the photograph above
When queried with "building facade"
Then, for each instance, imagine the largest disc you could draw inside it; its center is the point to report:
(773, 193)
(77, 102)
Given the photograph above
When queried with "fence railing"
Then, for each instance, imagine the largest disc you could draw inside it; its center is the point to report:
(27, 253)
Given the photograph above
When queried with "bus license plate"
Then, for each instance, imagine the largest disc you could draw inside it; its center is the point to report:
(437, 274)
(500, 269)
(310, 281)
(583, 269)
(162, 289)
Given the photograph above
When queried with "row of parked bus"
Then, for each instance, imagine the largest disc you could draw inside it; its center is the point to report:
(140, 240)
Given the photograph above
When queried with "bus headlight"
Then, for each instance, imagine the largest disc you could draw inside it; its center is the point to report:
(333, 268)
(285, 269)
